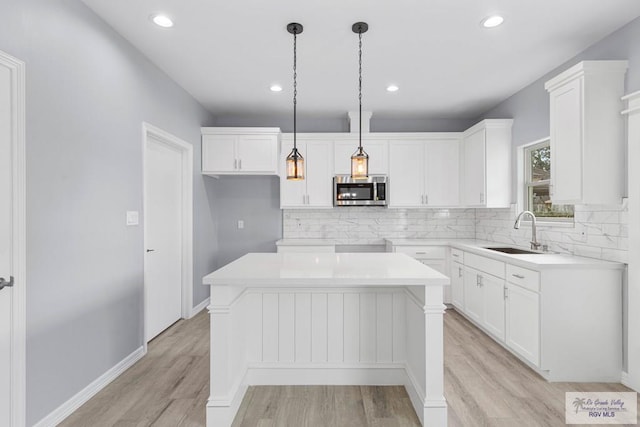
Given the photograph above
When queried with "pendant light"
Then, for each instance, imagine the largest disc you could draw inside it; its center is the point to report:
(360, 159)
(295, 161)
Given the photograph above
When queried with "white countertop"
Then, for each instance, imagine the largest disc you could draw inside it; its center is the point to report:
(479, 247)
(534, 261)
(325, 269)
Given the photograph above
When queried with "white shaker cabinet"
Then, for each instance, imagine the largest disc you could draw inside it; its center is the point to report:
(240, 151)
(493, 297)
(587, 133)
(456, 273)
(406, 174)
(548, 318)
(473, 300)
(486, 164)
(376, 149)
(316, 189)
(424, 173)
(523, 322)
(484, 293)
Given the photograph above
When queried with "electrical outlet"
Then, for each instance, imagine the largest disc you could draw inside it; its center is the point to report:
(240, 224)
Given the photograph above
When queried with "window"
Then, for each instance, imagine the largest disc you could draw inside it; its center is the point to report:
(537, 159)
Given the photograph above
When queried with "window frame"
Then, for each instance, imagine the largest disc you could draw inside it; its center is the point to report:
(524, 183)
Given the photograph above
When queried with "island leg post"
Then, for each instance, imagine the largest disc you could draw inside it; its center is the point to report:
(435, 405)
(226, 390)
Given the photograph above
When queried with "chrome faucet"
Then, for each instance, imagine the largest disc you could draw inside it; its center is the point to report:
(534, 239)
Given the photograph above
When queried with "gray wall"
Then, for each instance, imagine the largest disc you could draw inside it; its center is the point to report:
(340, 123)
(254, 200)
(530, 106)
(88, 92)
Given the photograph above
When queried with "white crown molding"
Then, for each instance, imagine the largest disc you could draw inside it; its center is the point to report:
(586, 67)
(237, 130)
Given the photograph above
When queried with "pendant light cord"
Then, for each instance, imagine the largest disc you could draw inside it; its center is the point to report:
(360, 85)
(295, 85)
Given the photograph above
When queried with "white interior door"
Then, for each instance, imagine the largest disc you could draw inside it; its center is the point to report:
(6, 244)
(163, 236)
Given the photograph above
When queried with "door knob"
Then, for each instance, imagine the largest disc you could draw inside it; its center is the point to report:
(4, 283)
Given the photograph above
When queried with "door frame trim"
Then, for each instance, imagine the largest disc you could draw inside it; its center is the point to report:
(186, 150)
(18, 172)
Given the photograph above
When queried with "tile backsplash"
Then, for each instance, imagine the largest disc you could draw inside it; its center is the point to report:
(371, 225)
(598, 232)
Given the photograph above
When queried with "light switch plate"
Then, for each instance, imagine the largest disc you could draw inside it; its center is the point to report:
(240, 224)
(133, 218)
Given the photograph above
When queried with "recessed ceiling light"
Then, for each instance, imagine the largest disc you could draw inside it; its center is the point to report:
(162, 20)
(276, 88)
(392, 88)
(492, 21)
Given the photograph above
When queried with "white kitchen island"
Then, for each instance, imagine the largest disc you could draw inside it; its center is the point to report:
(326, 318)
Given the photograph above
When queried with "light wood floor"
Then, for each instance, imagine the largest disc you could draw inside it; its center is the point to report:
(484, 385)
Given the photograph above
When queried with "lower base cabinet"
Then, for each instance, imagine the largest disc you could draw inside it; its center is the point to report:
(457, 284)
(473, 304)
(564, 321)
(523, 322)
(493, 294)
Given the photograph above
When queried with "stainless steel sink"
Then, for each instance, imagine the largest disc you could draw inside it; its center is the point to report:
(514, 251)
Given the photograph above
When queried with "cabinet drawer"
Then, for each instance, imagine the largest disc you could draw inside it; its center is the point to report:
(528, 279)
(457, 255)
(487, 265)
(422, 252)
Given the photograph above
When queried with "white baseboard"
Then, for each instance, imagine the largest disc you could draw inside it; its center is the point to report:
(68, 407)
(293, 375)
(198, 308)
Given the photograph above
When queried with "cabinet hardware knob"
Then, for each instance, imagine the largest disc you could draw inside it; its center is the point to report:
(519, 276)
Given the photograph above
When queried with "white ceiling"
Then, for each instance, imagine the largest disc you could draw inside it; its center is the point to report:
(228, 53)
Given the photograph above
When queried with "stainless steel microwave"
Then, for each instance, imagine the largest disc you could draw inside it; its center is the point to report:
(370, 191)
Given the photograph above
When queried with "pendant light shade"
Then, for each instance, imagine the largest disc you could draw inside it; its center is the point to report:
(360, 159)
(295, 165)
(359, 163)
(295, 161)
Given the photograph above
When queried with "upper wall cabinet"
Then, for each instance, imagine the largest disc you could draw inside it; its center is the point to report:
(376, 149)
(316, 189)
(587, 133)
(424, 172)
(486, 164)
(240, 151)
